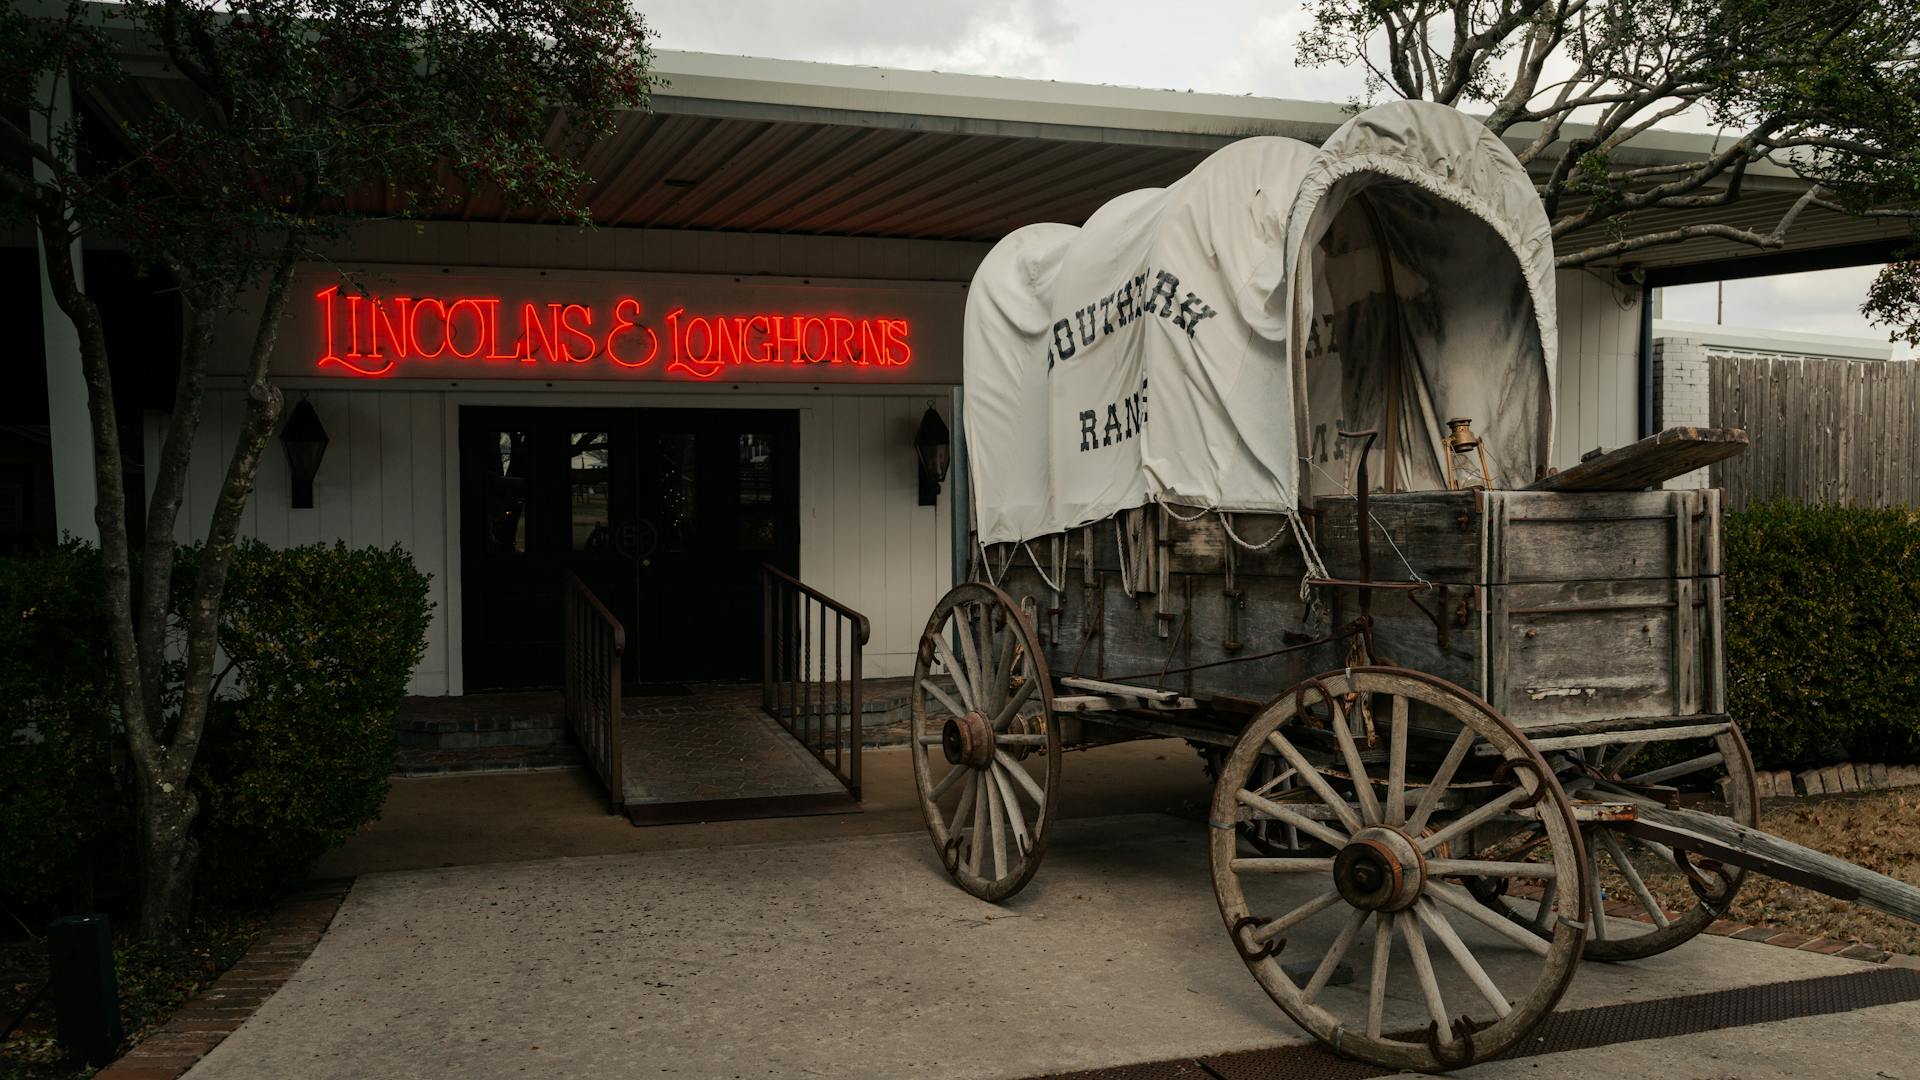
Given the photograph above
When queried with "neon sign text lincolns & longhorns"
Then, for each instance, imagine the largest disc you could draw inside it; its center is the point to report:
(372, 336)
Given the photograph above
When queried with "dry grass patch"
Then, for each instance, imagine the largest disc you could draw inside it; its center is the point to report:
(1878, 830)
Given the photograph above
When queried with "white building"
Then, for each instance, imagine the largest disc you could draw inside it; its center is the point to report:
(765, 209)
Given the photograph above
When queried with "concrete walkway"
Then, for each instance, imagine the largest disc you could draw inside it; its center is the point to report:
(857, 957)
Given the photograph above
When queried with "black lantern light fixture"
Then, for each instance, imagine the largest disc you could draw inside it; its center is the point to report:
(306, 443)
(930, 448)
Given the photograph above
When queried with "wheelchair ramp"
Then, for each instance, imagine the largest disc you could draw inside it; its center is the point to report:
(713, 755)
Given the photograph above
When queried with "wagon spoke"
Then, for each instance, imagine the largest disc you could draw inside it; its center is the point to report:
(1396, 810)
(954, 672)
(1282, 866)
(1480, 815)
(1599, 898)
(1026, 781)
(1357, 769)
(1016, 821)
(980, 801)
(1273, 928)
(963, 630)
(1490, 869)
(996, 823)
(1458, 900)
(1335, 953)
(968, 794)
(1315, 781)
(947, 781)
(1679, 769)
(1279, 778)
(1014, 704)
(1430, 798)
(1299, 821)
(933, 689)
(1423, 969)
(1007, 642)
(1618, 761)
(1433, 919)
(1654, 909)
(1377, 984)
(996, 681)
(1544, 917)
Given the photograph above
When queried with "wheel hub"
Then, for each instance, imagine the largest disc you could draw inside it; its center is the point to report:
(968, 740)
(1379, 870)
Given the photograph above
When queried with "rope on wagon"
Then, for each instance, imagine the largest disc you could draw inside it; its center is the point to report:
(1037, 569)
(1388, 536)
(1175, 514)
(986, 564)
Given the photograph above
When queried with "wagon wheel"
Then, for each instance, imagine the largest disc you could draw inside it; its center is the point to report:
(986, 751)
(1654, 906)
(1439, 764)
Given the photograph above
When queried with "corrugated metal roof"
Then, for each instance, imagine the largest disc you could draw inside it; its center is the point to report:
(743, 145)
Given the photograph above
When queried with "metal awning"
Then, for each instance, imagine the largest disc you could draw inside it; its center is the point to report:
(744, 144)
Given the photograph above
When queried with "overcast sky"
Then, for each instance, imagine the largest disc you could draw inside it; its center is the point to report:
(1220, 46)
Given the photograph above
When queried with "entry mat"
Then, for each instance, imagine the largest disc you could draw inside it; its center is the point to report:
(713, 758)
(1573, 1029)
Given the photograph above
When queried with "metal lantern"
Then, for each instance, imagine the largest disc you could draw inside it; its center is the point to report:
(930, 448)
(306, 443)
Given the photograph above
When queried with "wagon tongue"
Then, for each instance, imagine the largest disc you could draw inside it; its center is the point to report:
(1691, 833)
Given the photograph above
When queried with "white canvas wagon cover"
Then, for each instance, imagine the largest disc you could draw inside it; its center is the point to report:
(1193, 344)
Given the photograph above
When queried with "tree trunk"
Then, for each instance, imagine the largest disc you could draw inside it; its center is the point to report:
(165, 811)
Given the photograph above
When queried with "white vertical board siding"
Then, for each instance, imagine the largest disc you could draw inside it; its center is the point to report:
(382, 447)
(386, 478)
(1599, 365)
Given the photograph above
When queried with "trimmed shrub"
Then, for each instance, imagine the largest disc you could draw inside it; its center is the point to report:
(295, 757)
(1823, 632)
(322, 642)
(63, 819)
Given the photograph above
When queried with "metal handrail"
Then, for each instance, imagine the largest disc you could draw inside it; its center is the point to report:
(595, 644)
(794, 685)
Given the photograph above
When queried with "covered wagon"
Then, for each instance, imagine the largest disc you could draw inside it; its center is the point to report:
(1260, 460)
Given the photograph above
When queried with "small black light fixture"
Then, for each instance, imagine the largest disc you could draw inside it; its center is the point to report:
(930, 448)
(306, 443)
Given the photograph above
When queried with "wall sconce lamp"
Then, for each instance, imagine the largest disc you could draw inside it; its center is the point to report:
(930, 449)
(306, 443)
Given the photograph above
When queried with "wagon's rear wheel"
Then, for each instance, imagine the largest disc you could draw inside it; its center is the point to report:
(1641, 883)
(986, 750)
(1397, 770)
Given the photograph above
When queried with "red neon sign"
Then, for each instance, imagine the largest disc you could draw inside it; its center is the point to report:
(370, 336)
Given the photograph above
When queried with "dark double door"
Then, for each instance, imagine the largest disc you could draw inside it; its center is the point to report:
(666, 514)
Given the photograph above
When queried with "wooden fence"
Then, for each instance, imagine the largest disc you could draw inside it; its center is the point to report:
(1843, 431)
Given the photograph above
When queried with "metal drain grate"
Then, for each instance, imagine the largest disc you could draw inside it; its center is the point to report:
(1575, 1029)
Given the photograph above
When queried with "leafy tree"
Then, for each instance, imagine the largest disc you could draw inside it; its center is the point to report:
(1829, 89)
(264, 123)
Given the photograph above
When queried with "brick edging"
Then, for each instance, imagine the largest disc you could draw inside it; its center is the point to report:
(1793, 939)
(192, 1032)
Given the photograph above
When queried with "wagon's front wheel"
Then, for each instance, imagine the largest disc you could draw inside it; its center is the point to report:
(1643, 883)
(1396, 774)
(986, 749)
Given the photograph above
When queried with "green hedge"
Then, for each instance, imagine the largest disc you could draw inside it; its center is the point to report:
(1823, 632)
(295, 758)
(323, 641)
(64, 840)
